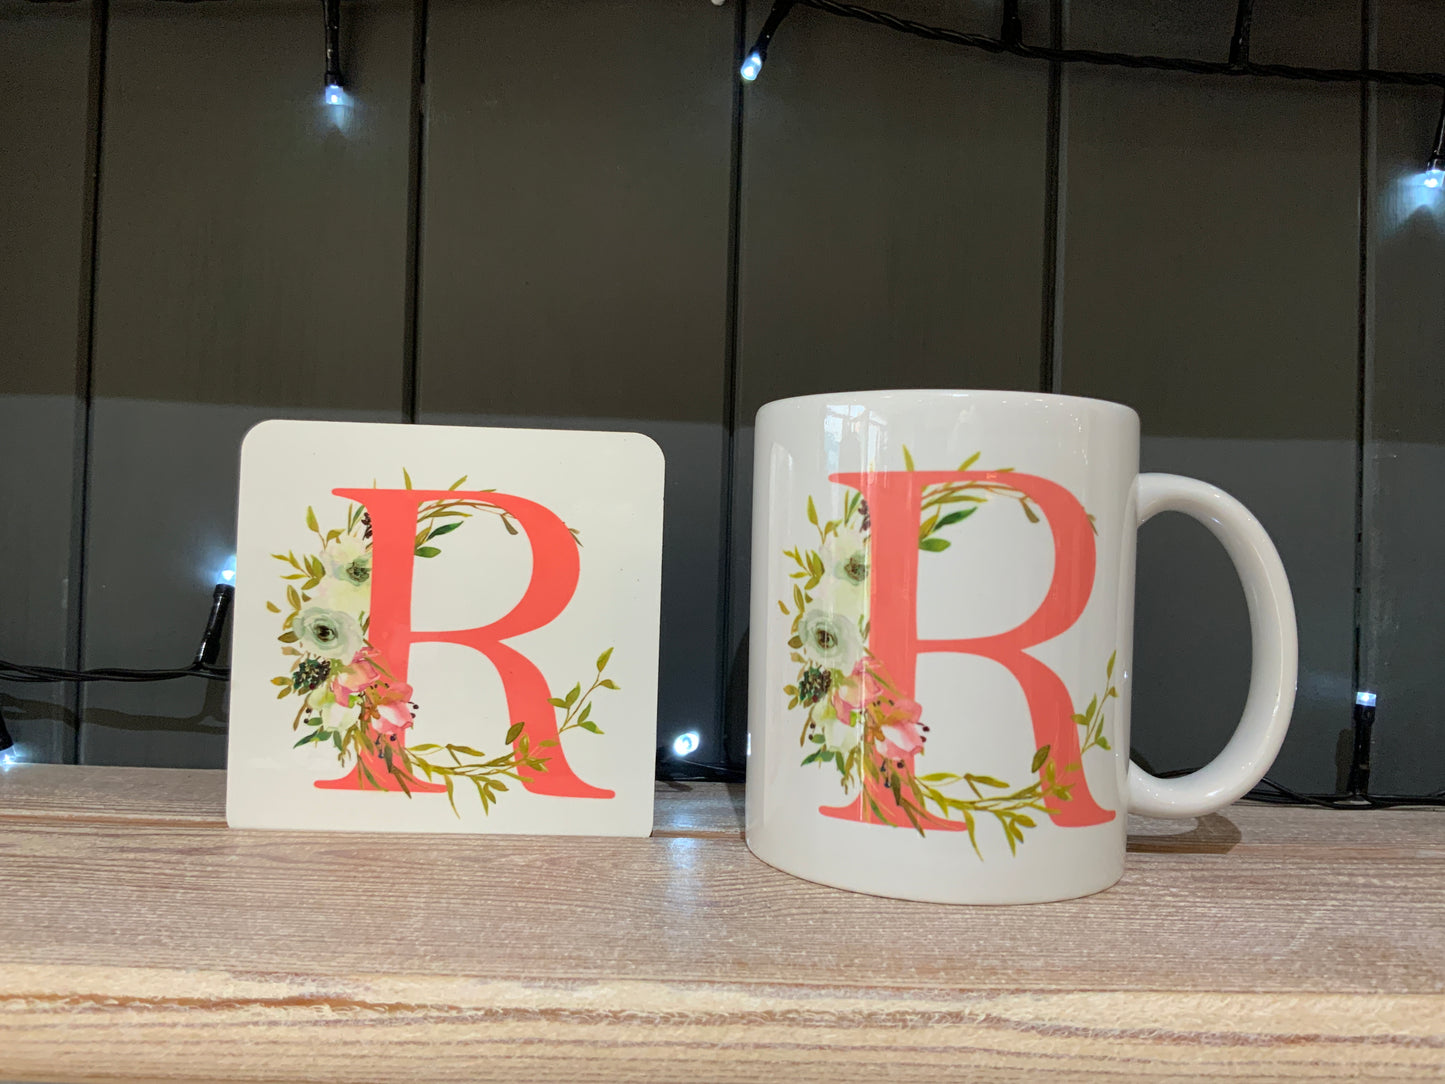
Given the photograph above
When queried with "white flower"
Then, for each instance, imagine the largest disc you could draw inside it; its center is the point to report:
(330, 634)
(845, 556)
(838, 734)
(831, 638)
(348, 558)
(845, 585)
(331, 713)
(347, 586)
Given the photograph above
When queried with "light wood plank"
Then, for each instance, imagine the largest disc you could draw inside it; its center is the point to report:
(683, 909)
(58, 793)
(714, 810)
(95, 1024)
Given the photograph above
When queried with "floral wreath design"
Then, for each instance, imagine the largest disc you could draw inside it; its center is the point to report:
(856, 721)
(349, 698)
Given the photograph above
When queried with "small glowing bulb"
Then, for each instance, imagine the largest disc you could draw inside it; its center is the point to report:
(751, 66)
(228, 570)
(333, 94)
(1362, 698)
(1435, 177)
(9, 757)
(687, 743)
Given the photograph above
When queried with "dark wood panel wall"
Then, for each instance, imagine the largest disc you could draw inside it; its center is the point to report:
(569, 213)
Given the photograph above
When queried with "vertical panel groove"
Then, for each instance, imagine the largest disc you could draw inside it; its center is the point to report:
(85, 350)
(1049, 374)
(1358, 775)
(417, 152)
(730, 406)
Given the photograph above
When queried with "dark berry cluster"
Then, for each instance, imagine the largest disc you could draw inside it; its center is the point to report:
(814, 684)
(310, 674)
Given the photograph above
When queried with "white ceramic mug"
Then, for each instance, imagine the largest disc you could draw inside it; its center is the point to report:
(942, 630)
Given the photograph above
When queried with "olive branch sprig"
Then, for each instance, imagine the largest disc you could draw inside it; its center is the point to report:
(484, 774)
(1092, 717)
(579, 704)
(1008, 809)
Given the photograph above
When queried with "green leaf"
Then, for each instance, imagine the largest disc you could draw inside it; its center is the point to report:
(954, 517)
(288, 637)
(798, 600)
(934, 545)
(1102, 742)
(1093, 707)
(590, 726)
(1033, 516)
(571, 697)
(458, 483)
(406, 478)
(273, 607)
(281, 681)
(989, 781)
(796, 643)
(602, 660)
(315, 735)
(514, 732)
(311, 519)
(557, 702)
(907, 458)
(293, 597)
(970, 461)
(1025, 820)
(1109, 670)
(445, 528)
(812, 512)
(608, 683)
(507, 523)
(781, 605)
(427, 551)
(1039, 758)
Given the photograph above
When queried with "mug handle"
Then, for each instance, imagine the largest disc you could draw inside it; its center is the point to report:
(1274, 671)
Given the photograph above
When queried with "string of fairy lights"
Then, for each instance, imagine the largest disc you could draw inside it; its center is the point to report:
(1010, 41)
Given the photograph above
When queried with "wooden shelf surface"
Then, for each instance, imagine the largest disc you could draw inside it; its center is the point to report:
(146, 941)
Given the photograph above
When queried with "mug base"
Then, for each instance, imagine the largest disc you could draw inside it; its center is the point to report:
(1011, 898)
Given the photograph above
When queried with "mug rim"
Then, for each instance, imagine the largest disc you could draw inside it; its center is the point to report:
(996, 393)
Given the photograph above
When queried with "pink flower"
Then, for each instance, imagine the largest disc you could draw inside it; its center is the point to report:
(902, 737)
(357, 676)
(870, 690)
(860, 689)
(393, 718)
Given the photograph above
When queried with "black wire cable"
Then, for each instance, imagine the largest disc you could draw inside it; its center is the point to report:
(1127, 60)
(12, 671)
(203, 665)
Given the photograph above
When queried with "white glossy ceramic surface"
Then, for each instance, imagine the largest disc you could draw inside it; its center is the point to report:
(939, 703)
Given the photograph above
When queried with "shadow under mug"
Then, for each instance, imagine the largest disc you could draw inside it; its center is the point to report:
(941, 643)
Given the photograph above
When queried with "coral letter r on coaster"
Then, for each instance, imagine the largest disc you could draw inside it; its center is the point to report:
(555, 571)
(475, 658)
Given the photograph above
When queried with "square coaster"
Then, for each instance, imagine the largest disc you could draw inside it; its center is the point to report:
(445, 629)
